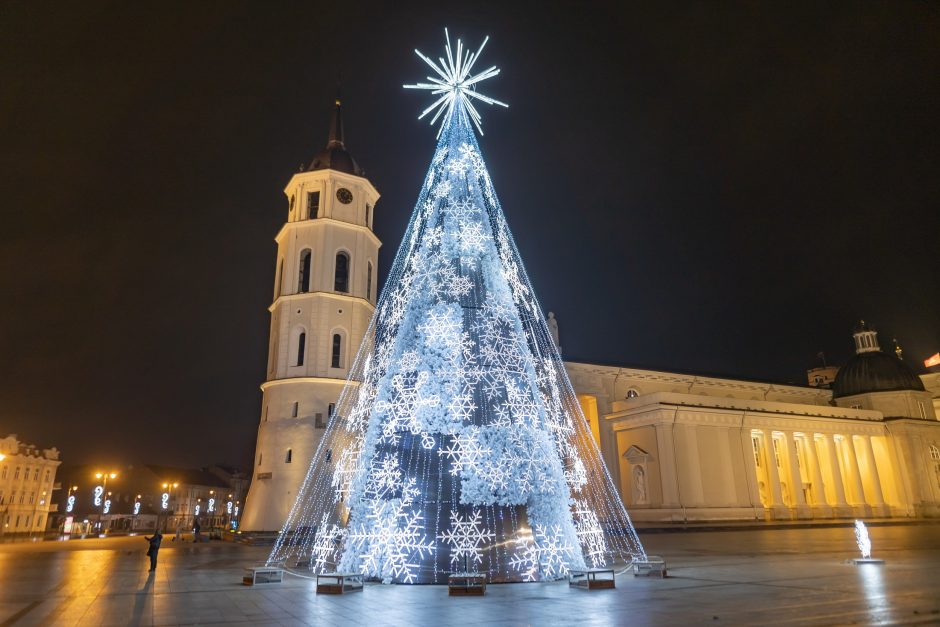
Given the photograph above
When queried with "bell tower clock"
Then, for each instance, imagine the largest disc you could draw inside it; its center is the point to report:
(325, 287)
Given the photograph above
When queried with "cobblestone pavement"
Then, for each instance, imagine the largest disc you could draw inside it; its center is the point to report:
(747, 577)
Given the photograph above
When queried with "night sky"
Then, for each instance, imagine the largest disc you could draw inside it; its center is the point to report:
(710, 188)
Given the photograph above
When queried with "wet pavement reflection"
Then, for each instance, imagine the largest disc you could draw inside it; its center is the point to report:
(790, 576)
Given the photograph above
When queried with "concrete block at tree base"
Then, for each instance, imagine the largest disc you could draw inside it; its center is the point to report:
(652, 566)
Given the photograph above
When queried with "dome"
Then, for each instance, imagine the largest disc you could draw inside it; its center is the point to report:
(874, 371)
(335, 156)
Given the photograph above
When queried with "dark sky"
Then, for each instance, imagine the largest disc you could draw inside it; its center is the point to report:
(715, 188)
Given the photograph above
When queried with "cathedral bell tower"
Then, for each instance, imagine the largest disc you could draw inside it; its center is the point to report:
(325, 288)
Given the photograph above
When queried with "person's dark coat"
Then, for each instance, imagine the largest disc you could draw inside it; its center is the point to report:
(154, 541)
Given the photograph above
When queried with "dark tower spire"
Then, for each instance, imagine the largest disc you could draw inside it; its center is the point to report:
(335, 156)
(336, 126)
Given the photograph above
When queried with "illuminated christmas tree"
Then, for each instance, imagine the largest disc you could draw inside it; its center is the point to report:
(458, 443)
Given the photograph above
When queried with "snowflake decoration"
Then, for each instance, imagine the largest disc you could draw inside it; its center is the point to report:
(465, 536)
(392, 539)
(590, 535)
(326, 545)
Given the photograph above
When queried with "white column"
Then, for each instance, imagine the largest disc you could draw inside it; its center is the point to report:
(877, 497)
(750, 469)
(729, 494)
(796, 480)
(836, 471)
(667, 465)
(692, 486)
(853, 470)
(819, 491)
(773, 475)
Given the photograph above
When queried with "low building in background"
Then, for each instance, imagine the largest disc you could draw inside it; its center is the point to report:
(27, 482)
(109, 499)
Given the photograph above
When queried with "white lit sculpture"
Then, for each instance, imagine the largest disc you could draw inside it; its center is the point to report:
(458, 440)
(861, 537)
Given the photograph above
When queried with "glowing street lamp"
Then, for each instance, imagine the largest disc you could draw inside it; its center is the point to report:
(165, 498)
(101, 490)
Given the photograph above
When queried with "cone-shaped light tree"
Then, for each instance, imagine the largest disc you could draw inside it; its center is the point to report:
(458, 443)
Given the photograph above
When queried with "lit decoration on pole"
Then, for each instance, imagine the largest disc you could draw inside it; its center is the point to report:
(196, 511)
(99, 491)
(164, 500)
(862, 539)
(458, 442)
(228, 507)
(136, 508)
(70, 503)
(211, 505)
(107, 506)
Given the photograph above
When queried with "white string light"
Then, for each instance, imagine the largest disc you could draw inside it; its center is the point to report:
(461, 442)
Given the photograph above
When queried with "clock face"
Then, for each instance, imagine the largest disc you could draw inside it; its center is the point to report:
(344, 195)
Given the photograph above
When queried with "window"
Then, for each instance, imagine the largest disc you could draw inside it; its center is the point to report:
(755, 444)
(331, 408)
(329, 454)
(368, 213)
(1, 497)
(369, 281)
(341, 281)
(303, 280)
(337, 348)
(4, 474)
(313, 205)
(632, 393)
(260, 457)
(292, 198)
(16, 475)
(289, 456)
(319, 424)
(301, 347)
(46, 480)
(776, 451)
(294, 409)
(32, 498)
(934, 453)
(39, 521)
(278, 279)
(36, 474)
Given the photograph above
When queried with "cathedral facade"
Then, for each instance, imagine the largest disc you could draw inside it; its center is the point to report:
(685, 448)
(679, 447)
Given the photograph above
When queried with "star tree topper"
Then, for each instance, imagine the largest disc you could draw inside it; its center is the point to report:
(454, 85)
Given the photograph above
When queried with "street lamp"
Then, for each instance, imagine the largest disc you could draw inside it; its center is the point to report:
(165, 501)
(3, 514)
(102, 491)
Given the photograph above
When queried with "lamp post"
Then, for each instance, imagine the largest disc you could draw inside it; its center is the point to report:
(165, 501)
(3, 512)
(102, 496)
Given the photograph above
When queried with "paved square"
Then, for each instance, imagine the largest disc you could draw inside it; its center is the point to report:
(746, 577)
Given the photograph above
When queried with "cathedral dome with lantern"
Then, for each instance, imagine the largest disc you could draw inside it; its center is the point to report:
(872, 370)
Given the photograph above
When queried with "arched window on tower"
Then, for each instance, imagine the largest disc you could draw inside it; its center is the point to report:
(336, 360)
(303, 282)
(341, 283)
(368, 213)
(369, 281)
(301, 347)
